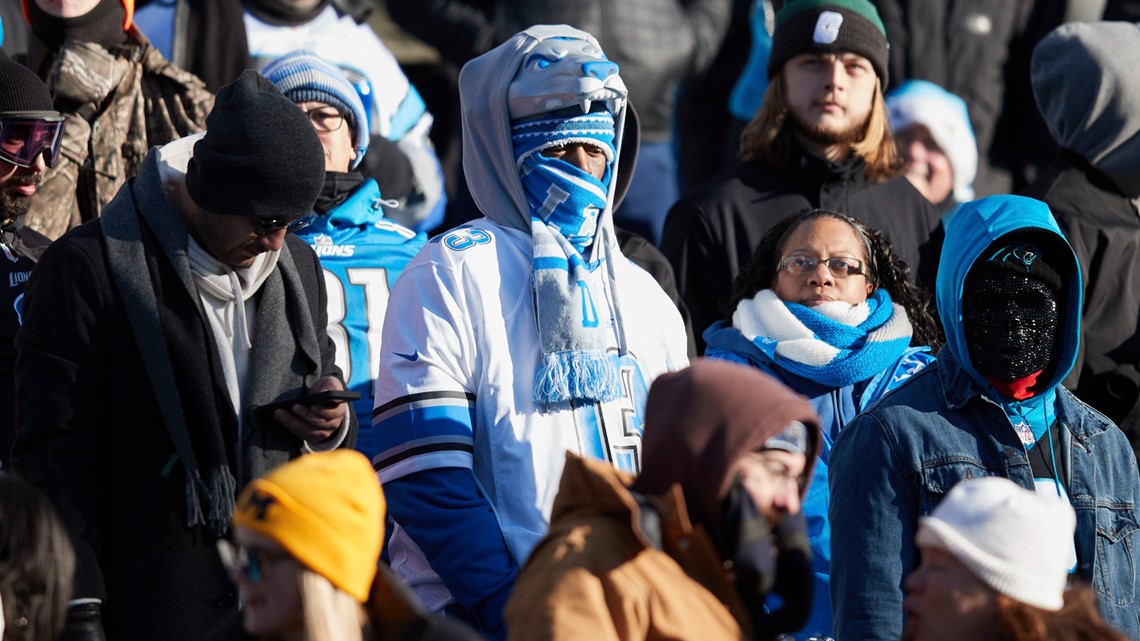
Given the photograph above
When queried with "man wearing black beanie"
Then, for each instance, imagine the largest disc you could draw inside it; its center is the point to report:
(151, 338)
(30, 131)
(821, 139)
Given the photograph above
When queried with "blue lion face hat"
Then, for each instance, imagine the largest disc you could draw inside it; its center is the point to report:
(305, 76)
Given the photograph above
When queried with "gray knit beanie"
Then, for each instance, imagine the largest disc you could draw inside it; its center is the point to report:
(260, 155)
(303, 76)
(830, 26)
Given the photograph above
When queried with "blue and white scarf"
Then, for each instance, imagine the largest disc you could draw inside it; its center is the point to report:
(565, 205)
(835, 344)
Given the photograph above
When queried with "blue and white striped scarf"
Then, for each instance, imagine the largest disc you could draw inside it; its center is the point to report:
(835, 343)
(565, 205)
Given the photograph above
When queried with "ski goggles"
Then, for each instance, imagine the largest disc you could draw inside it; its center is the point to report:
(24, 138)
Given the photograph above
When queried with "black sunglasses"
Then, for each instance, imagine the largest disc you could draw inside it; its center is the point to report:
(266, 226)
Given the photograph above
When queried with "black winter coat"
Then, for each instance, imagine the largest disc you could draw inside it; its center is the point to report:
(1103, 226)
(712, 232)
(980, 50)
(657, 43)
(91, 435)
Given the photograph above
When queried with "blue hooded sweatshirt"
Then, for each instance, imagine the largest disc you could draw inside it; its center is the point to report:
(970, 230)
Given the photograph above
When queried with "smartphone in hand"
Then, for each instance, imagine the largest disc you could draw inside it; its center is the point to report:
(327, 397)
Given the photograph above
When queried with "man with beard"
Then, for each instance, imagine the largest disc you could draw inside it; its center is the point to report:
(30, 133)
(820, 140)
(153, 337)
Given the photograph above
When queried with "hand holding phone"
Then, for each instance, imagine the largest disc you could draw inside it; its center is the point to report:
(326, 398)
(313, 417)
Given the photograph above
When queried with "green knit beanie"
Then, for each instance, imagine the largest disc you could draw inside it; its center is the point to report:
(830, 26)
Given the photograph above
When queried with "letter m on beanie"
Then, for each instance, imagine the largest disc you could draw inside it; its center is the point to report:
(827, 27)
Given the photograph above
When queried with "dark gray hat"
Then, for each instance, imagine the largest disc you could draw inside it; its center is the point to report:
(260, 155)
(21, 90)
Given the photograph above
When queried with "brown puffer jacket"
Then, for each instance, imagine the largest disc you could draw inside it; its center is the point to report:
(599, 575)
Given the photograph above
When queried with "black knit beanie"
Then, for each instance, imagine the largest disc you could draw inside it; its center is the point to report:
(830, 26)
(1020, 256)
(260, 155)
(21, 89)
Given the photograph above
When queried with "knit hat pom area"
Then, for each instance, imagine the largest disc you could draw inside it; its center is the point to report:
(327, 510)
(830, 26)
(1014, 540)
(260, 155)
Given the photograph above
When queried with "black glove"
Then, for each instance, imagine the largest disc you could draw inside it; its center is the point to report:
(795, 576)
(84, 623)
(390, 167)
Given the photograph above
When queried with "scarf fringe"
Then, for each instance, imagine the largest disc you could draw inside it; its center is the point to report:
(584, 376)
(220, 492)
(194, 516)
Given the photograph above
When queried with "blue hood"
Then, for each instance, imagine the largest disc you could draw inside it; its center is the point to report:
(973, 227)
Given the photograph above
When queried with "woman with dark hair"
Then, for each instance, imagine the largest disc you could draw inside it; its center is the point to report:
(827, 308)
(37, 565)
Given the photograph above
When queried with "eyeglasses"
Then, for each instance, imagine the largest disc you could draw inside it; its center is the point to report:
(839, 266)
(24, 138)
(266, 226)
(249, 562)
(325, 119)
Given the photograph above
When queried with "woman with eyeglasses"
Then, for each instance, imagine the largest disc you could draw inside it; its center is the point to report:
(305, 556)
(827, 308)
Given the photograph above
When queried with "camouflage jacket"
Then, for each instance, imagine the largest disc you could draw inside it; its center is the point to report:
(118, 103)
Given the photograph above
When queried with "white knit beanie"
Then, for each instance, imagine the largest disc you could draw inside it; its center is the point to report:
(1014, 540)
(946, 118)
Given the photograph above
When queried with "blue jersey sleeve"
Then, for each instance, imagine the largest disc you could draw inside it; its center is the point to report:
(453, 524)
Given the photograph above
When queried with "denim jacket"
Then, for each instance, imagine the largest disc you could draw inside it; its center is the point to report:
(895, 463)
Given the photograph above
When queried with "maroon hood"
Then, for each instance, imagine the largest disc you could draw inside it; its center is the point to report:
(701, 420)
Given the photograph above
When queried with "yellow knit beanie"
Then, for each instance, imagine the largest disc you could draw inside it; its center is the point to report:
(327, 510)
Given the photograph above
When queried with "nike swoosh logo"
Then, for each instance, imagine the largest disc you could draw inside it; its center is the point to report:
(414, 356)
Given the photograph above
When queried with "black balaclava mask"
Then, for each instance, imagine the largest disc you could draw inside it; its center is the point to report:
(1010, 313)
(102, 25)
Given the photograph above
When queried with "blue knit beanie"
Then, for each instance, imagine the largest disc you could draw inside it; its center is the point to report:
(303, 76)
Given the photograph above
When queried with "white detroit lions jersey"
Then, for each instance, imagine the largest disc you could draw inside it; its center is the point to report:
(457, 373)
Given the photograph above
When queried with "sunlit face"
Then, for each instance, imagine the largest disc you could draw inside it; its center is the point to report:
(17, 185)
(589, 158)
(232, 239)
(945, 602)
(772, 480)
(927, 166)
(338, 144)
(823, 238)
(271, 606)
(67, 8)
(829, 96)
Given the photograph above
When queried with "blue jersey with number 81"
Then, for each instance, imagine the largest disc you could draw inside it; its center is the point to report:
(362, 254)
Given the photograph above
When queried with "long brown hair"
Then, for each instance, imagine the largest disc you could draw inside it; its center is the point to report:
(768, 138)
(1077, 620)
(37, 563)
